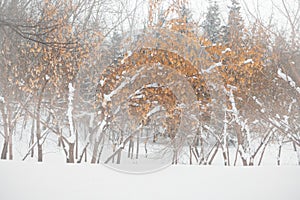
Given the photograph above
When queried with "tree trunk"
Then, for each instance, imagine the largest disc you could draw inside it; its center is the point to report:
(119, 158)
(214, 154)
(224, 152)
(38, 131)
(10, 145)
(137, 146)
(244, 161)
(236, 155)
(83, 154)
(297, 151)
(95, 152)
(224, 157)
(240, 144)
(6, 133)
(38, 124)
(4, 149)
(76, 145)
(71, 156)
(200, 141)
(132, 148)
(10, 131)
(191, 155)
(100, 152)
(129, 148)
(175, 157)
(38, 135)
(298, 156)
(32, 138)
(262, 154)
(40, 152)
(279, 154)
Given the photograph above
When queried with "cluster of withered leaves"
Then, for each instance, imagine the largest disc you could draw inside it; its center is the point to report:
(242, 63)
(114, 75)
(55, 60)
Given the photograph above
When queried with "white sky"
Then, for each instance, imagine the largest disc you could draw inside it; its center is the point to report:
(262, 9)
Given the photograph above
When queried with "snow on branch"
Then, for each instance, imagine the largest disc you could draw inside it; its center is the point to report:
(259, 103)
(2, 99)
(71, 139)
(248, 61)
(107, 97)
(219, 64)
(226, 50)
(288, 79)
(237, 118)
(155, 110)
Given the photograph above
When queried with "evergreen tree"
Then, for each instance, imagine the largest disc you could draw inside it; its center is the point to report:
(186, 14)
(233, 32)
(212, 22)
(116, 51)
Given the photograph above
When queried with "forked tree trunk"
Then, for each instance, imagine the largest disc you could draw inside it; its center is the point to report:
(83, 154)
(95, 152)
(240, 145)
(236, 155)
(262, 154)
(4, 149)
(214, 154)
(244, 160)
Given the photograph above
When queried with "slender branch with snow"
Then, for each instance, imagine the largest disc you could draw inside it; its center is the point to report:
(238, 119)
(288, 79)
(71, 139)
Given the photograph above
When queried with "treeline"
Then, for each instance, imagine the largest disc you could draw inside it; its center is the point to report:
(54, 52)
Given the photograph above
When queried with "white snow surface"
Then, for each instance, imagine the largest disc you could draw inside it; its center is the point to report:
(40, 181)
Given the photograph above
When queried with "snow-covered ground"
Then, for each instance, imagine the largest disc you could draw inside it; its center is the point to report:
(36, 181)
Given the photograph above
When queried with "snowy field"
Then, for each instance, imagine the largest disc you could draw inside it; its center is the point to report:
(36, 181)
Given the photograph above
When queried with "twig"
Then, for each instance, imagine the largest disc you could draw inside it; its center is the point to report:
(83, 152)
